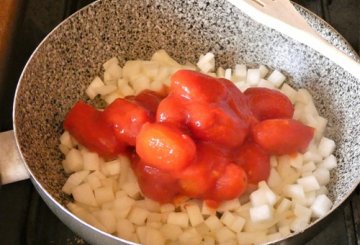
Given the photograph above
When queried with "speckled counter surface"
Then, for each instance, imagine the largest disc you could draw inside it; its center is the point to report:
(34, 235)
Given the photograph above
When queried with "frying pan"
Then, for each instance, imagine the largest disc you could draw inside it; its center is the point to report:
(63, 65)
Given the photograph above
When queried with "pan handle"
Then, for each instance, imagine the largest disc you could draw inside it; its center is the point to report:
(12, 167)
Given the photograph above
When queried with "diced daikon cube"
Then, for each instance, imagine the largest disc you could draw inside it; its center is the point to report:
(310, 198)
(213, 223)
(303, 96)
(92, 89)
(283, 206)
(126, 90)
(308, 167)
(206, 63)
(220, 72)
(269, 194)
(261, 213)
(227, 74)
(131, 69)
(263, 71)
(93, 181)
(302, 211)
(299, 224)
(322, 175)
(274, 236)
(91, 160)
(110, 62)
(284, 230)
(277, 78)
(224, 234)
(122, 206)
(295, 191)
(84, 194)
(74, 180)
(253, 77)
(322, 190)
(156, 85)
(320, 127)
(150, 69)
(113, 72)
(309, 183)
(171, 232)
(140, 83)
(141, 233)
(321, 206)
(326, 146)
(206, 210)
(297, 161)
(154, 237)
(107, 219)
(274, 180)
(104, 194)
(229, 205)
(86, 216)
(190, 236)
(263, 83)
(113, 167)
(125, 229)
(64, 149)
(73, 161)
(164, 58)
(227, 218)
(240, 72)
(106, 89)
(194, 214)
(208, 240)
(258, 198)
(289, 92)
(132, 189)
(178, 218)
(312, 156)
(329, 162)
(138, 216)
(65, 139)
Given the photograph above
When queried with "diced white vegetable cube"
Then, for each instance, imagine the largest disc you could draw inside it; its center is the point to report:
(206, 210)
(194, 214)
(140, 83)
(164, 58)
(166, 208)
(93, 180)
(261, 213)
(153, 236)
(178, 218)
(310, 197)
(138, 216)
(113, 167)
(321, 206)
(266, 84)
(110, 62)
(308, 167)
(104, 194)
(303, 96)
(251, 237)
(294, 191)
(91, 160)
(84, 194)
(141, 233)
(326, 146)
(297, 161)
(74, 180)
(190, 236)
(112, 73)
(131, 69)
(65, 139)
(299, 224)
(126, 90)
(132, 189)
(228, 74)
(320, 127)
(208, 240)
(274, 180)
(329, 162)
(224, 234)
(289, 92)
(284, 230)
(309, 183)
(283, 206)
(227, 218)
(73, 161)
(92, 89)
(171, 232)
(322, 175)
(253, 77)
(302, 212)
(122, 206)
(240, 72)
(220, 72)
(258, 198)
(125, 229)
(269, 194)
(277, 78)
(106, 89)
(206, 63)
(150, 69)
(213, 223)
(107, 219)
(263, 71)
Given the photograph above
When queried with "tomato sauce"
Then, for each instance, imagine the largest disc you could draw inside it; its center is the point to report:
(203, 139)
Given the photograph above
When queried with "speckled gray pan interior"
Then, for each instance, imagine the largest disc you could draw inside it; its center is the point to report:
(65, 63)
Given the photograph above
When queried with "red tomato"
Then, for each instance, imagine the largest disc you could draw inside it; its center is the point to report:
(172, 110)
(238, 102)
(217, 124)
(255, 161)
(200, 176)
(84, 123)
(165, 147)
(155, 183)
(269, 104)
(197, 86)
(231, 184)
(126, 118)
(148, 99)
(282, 136)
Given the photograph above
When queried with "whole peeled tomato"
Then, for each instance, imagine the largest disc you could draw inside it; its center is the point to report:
(165, 147)
(269, 104)
(254, 160)
(282, 136)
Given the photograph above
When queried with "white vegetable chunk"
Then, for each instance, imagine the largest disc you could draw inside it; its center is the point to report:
(73, 161)
(92, 89)
(104, 194)
(253, 77)
(194, 214)
(153, 236)
(263, 71)
(329, 162)
(65, 139)
(213, 223)
(74, 180)
(113, 167)
(171, 232)
(84, 194)
(110, 62)
(240, 72)
(224, 235)
(190, 237)
(289, 92)
(309, 183)
(322, 175)
(138, 215)
(112, 73)
(229, 205)
(107, 219)
(125, 229)
(261, 213)
(228, 74)
(277, 78)
(321, 206)
(178, 218)
(294, 191)
(164, 58)
(91, 160)
(206, 63)
(326, 146)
